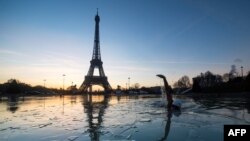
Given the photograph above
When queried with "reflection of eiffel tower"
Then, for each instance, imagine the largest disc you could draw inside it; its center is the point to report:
(95, 112)
(96, 62)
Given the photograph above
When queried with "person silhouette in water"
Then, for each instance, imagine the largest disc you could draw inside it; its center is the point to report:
(172, 105)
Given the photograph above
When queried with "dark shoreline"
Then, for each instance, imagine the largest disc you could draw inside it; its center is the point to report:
(205, 95)
(210, 95)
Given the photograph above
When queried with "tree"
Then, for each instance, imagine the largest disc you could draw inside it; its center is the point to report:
(248, 77)
(233, 72)
(136, 86)
(225, 77)
(207, 79)
(183, 82)
(196, 86)
(13, 86)
(247, 82)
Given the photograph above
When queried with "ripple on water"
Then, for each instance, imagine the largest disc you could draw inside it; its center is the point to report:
(44, 125)
(126, 120)
(72, 138)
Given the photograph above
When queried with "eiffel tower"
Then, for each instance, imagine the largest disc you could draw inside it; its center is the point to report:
(96, 62)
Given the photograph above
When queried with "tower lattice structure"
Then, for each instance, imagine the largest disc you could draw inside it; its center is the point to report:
(96, 62)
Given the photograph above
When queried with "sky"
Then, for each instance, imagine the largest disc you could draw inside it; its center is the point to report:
(44, 39)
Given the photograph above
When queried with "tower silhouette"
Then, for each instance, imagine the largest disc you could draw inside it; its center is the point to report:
(95, 111)
(96, 62)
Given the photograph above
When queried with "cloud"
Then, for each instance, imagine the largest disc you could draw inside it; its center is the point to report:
(238, 60)
(131, 68)
(189, 62)
(10, 52)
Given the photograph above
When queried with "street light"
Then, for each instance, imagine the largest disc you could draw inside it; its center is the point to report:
(129, 83)
(44, 83)
(63, 80)
(241, 71)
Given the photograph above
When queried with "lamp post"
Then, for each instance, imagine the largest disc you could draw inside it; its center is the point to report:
(241, 71)
(44, 81)
(63, 91)
(63, 80)
(129, 83)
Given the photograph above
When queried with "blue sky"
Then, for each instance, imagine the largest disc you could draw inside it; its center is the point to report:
(43, 39)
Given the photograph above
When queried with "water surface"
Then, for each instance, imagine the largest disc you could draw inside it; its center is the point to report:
(68, 118)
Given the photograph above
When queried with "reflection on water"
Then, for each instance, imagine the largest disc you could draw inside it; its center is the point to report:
(13, 104)
(229, 103)
(94, 118)
(168, 124)
(95, 110)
